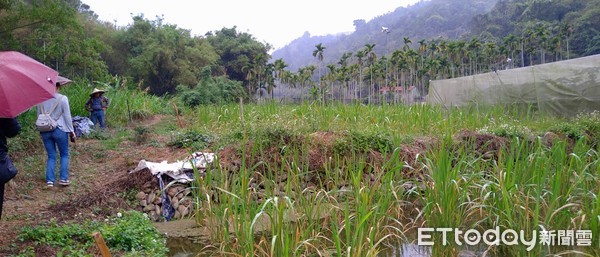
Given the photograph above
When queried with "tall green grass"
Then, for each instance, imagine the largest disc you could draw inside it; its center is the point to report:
(530, 187)
(357, 209)
(126, 103)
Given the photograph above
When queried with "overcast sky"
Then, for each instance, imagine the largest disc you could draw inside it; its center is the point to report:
(276, 22)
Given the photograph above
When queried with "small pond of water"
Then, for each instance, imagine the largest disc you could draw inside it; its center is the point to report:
(185, 247)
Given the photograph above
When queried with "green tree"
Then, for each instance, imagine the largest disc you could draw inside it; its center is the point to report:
(342, 74)
(407, 43)
(236, 51)
(51, 31)
(586, 28)
(371, 59)
(360, 55)
(164, 56)
(211, 90)
(318, 53)
(279, 68)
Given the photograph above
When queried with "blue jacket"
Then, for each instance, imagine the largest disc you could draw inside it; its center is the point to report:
(97, 103)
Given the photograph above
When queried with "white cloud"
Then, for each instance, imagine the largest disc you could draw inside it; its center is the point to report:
(276, 22)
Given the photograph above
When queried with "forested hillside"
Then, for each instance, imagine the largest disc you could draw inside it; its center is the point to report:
(549, 24)
(554, 22)
(425, 20)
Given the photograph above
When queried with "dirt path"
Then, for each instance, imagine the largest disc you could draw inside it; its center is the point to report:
(99, 175)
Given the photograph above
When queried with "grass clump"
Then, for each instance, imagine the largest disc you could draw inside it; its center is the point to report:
(572, 130)
(507, 129)
(584, 126)
(374, 141)
(140, 114)
(361, 142)
(141, 134)
(190, 139)
(134, 232)
(280, 137)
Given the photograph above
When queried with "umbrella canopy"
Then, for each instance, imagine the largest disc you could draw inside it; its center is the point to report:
(62, 80)
(24, 82)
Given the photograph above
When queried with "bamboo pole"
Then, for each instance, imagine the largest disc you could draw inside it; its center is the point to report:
(101, 245)
(177, 116)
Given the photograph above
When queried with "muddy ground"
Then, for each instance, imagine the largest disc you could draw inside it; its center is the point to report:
(99, 179)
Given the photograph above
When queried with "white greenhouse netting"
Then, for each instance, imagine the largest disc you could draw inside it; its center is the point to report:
(565, 88)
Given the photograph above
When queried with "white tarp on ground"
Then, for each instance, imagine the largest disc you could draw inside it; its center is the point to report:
(178, 170)
(565, 88)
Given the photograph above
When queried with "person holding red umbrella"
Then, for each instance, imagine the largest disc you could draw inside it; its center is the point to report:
(9, 127)
(58, 138)
(24, 82)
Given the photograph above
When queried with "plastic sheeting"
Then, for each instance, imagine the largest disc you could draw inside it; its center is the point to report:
(82, 126)
(563, 88)
(168, 211)
(178, 170)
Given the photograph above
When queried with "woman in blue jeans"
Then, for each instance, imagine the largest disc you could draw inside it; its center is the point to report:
(58, 138)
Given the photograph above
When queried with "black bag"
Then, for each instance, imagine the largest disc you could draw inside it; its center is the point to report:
(7, 170)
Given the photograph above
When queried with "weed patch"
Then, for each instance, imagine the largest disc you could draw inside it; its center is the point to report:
(130, 232)
(190, 139)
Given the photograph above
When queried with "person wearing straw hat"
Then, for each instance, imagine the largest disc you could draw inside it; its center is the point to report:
(97, 105)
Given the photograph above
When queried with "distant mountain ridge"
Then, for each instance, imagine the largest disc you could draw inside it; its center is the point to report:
(427, 19)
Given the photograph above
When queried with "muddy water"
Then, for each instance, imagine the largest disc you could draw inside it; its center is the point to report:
(186, 247)
(185, 239)
(413, 250)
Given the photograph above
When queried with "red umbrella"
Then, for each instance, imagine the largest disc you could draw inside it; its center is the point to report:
(62, 80)
(24, 82)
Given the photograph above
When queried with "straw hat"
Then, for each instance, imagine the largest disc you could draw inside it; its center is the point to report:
(97, 91)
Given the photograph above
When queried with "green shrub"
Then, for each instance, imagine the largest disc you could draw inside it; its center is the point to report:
(362, 142)
(366, 142)
(128, 232)
(134, 232)
(591, 123)
(140, 114)
(572, 130)
(141, 134)
(57, 235)
(211, 90)
(275, 137)
(190, 139)
(506, 130)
